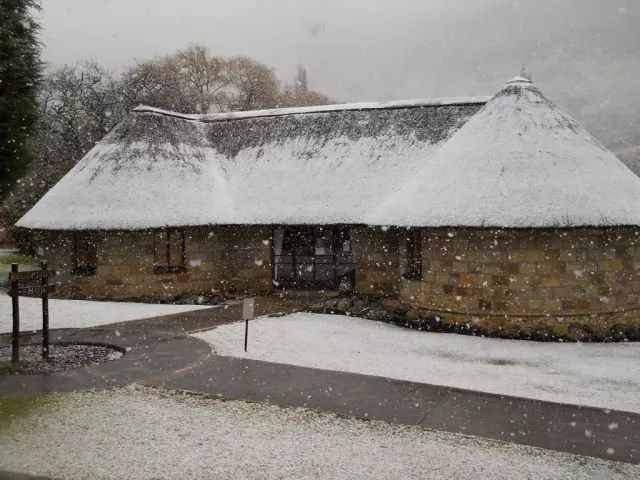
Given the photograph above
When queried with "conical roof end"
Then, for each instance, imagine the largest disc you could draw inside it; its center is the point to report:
(519, 162)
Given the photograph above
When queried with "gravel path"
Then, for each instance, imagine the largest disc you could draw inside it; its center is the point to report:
(141, 433)
(61, 357)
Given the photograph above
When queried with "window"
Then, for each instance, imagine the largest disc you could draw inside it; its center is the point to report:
(85, 254)
(169, 251)
(413, 255)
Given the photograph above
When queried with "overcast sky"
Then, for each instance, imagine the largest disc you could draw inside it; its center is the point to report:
(583, 53)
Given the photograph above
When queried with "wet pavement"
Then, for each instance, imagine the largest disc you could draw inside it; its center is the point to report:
(588, 431)
(160, 354)
(155, 347)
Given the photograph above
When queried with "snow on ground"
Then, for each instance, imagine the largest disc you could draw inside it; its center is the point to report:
(81, 313)
(599, 375)
(138, 433)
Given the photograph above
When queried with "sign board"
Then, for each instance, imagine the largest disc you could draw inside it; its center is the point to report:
(248, 308)
(31, 277)
(32, 283)
(34, 291)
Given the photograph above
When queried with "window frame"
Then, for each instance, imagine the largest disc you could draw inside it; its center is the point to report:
(164, 261)
(413, 261)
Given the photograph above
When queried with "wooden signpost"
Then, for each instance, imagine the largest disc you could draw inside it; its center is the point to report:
(33, 283)
(248, 313)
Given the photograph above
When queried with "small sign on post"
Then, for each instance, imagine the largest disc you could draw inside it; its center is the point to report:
(248, 313)
(35, 283)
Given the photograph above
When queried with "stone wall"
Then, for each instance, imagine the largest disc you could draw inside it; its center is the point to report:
(218, 260)
(377, 261)
(570, 282)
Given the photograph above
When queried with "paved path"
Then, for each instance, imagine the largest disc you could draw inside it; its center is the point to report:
(568, 428)
(162, 355)
(155, 348)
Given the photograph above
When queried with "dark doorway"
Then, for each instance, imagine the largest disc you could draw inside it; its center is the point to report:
(307, 257)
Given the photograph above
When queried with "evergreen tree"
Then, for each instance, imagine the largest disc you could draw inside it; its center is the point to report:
(20, 70)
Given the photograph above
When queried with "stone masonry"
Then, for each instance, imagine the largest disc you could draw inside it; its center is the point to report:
(220, 260)
(581, 283)
(377, 261)
(569, 282)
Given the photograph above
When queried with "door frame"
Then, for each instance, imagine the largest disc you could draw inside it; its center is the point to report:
(341, 269)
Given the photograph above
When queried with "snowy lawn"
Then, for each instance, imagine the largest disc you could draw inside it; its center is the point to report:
(137, 433)
(599, 375)
(81, 313)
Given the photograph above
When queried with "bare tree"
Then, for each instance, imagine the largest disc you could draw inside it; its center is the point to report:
(193, 80)
(190, 80)
(204, 77)
(157, 83)
(253, 85)
(77, 105)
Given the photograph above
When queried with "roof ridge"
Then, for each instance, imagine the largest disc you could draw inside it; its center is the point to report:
(340, 107)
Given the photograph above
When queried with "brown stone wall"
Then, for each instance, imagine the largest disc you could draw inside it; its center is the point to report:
(226, 260)
(377, 261)
(581, 279)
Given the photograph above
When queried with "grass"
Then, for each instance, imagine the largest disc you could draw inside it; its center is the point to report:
(17, 258)
(26, 263)
(12, 408)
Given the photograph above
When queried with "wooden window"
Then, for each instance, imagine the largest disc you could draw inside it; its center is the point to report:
(85, 254)
(169, 251)
(413, 255)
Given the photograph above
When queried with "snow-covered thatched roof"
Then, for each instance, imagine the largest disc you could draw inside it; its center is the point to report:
(518, 162)
(514, 161)
(316, 165)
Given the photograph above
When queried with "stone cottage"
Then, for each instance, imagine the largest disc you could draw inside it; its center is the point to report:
(499, 212)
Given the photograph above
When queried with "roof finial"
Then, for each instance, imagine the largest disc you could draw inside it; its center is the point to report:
(525, 73)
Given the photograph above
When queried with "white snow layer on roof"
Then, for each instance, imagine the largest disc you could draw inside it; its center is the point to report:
(320, 177)
(518, 162)
(338, 185)
(97, 194)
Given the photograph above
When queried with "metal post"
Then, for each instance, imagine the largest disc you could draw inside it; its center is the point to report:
(248, 313)
(336, 251)
(45, 311)
(246, 334)
(15, 304)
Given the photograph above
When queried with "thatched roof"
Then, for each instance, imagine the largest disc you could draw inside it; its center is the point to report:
(519, 162)
(316, 165)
